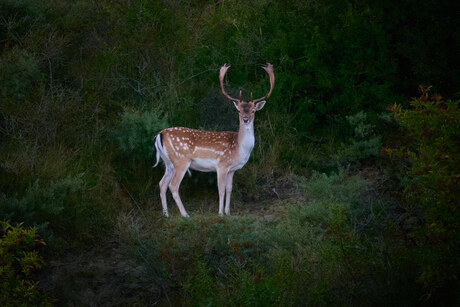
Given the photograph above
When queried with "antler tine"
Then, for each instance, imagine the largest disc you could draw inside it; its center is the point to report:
(223, 71)
(269, 70)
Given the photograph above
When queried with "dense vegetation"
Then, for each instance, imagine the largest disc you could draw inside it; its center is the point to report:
(350, 196)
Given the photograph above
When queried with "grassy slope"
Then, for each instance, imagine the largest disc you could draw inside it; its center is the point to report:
(317, 244)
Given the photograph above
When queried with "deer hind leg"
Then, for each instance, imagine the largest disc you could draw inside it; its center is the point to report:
(164, 183)
(221, 181)
(179, 172)
(228, 190)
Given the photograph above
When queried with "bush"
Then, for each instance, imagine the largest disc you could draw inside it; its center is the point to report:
(19, 71)
(433, 127)
(19, 261)
(201, 285)
(41, 205)
(18, 17)
(364, 143)
(137, 130)
(61, 210)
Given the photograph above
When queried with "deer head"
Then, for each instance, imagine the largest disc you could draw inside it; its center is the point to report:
(245, 109)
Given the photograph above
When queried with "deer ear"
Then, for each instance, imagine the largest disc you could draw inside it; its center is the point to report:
(259, 105)
(236, 105)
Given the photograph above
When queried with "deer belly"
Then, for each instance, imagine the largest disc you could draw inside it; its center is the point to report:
(204, 165)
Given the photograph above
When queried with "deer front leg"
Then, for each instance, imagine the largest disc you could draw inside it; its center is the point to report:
(179, 172)
(221, 181)
(228, 189)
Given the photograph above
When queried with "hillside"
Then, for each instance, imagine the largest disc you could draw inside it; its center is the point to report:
(350, 195)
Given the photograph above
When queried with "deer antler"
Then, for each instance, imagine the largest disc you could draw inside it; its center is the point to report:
(223, 71)
(269, 70)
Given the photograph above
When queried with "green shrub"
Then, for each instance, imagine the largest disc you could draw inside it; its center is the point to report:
(364, 143)
(41, 205)
(137, 130)
(240, 288)
(18, 17)
(19, 73)
(63, 209)
(19, 260)
(200, 285)
(338, 187)
(433, 126)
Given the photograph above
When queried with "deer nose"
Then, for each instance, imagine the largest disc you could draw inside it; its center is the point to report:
(245, 119)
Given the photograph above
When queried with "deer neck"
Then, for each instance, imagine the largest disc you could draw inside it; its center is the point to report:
(245, 140)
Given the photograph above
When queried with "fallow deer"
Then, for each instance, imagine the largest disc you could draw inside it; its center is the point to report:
(205, 151)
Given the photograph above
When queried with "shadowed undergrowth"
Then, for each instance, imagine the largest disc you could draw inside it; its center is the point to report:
(334, 248)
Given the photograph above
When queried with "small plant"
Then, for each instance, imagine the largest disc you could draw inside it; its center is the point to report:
(19, 260)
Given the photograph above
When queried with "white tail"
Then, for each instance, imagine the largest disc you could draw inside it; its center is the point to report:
(222, 152)
(157, 149)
